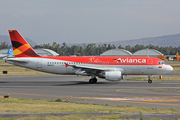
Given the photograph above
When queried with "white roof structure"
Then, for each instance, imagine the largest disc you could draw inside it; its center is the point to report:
(122, 52)
(46, 52)
(147, 52)
(116, 52)
(112, 52)
(3, 51)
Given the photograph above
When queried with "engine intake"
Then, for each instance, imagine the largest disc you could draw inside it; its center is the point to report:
(113, 75)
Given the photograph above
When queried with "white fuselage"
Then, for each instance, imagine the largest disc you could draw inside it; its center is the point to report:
(58, 66)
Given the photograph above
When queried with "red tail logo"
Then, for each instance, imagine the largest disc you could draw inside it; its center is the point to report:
(20, 47)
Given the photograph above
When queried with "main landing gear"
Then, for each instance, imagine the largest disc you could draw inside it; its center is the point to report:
(149, 79)
(92, 80)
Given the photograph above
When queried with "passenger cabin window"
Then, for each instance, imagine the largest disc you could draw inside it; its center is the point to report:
(161, 63)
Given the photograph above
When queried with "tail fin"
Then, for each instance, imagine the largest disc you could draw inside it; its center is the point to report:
(10, 51)
(20, 47)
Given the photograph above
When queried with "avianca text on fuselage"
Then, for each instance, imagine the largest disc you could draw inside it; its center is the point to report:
(130, 60)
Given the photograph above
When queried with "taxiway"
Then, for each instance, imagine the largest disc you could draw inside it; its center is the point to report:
(159, 94)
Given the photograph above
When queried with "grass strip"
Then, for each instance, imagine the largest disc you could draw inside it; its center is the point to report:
(75, 117)
(21, 105)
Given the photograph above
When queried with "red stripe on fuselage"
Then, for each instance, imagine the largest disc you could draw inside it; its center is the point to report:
(108, 60)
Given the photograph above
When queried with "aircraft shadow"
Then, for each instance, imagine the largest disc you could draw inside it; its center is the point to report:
(84, 83)
(4, 82)
(60, 83)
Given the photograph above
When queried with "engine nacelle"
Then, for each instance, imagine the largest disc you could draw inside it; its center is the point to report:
(113, 75)
(79, 72)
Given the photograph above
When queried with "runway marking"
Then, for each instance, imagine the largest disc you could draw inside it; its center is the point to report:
(105, 99)
(118, 90)
(169, 83)
(146, 103)
(128, 99)
(143, 99)
(147, 93)
(83, 78)
(147, 87)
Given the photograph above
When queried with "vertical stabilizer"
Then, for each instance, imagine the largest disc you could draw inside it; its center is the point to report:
(20, 47)
(10, 51)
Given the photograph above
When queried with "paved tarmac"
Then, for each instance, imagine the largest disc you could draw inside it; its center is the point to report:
(159, 94)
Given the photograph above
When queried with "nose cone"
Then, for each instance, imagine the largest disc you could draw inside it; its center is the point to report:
(169, 68)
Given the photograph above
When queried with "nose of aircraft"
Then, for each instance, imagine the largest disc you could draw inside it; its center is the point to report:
(169, 68)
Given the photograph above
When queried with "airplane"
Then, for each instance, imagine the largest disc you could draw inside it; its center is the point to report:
(109, 68)
(9, 53)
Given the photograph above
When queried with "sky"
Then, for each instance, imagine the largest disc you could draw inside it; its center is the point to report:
(89, 21)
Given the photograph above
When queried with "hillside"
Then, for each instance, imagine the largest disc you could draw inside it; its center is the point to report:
(4, 38)
(167, 40)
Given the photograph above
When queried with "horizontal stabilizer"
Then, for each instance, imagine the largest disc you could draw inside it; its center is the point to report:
(15, 60)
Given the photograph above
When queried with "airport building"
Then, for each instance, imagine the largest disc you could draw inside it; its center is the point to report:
(147, 52)
(116, 52)
(41, 52)
(122, 52)
(3, 51)
(113, 52)
(46, 52)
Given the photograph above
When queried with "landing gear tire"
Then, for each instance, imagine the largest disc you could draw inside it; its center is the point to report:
(122, 77)
(149, 81)
(93, 80)
(160, 76)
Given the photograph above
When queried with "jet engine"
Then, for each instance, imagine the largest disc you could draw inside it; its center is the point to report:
(79, 72)
(113, 75)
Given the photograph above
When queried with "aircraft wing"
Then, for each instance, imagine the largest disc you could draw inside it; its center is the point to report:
(92, 68)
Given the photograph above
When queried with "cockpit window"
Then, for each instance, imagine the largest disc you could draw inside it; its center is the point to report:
(161, 63)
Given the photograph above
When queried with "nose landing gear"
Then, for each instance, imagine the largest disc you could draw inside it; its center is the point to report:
(149, 79)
